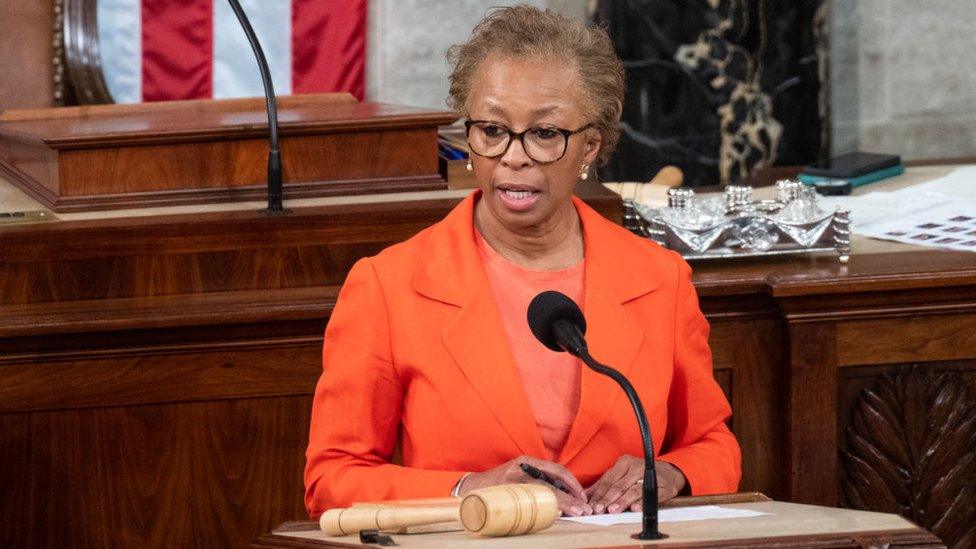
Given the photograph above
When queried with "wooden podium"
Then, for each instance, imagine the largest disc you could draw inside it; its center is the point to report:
(181, 346)
(785, 525)
(193, 152)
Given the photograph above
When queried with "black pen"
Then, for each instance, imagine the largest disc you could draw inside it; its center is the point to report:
(537, 474)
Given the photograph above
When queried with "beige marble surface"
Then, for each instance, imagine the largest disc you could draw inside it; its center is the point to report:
(13, 199)
(785, 519)
(903, 77)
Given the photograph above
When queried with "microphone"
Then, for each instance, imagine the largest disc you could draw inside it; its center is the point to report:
(275, 206)
(558, 323)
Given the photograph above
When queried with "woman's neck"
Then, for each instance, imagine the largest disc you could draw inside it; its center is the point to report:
(551, 246)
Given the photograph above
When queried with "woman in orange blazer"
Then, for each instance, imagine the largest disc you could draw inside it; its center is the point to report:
(418, 351)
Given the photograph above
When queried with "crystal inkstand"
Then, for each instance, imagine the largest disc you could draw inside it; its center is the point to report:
(736, 225)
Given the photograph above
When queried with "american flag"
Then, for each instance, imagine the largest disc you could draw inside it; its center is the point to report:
(154, 50)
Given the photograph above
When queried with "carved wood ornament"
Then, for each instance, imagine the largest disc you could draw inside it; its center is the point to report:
(78, 76)
(911, 450)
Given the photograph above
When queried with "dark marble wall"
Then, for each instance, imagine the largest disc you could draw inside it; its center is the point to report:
(718, 87)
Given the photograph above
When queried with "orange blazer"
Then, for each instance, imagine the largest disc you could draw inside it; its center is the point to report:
(415, 352)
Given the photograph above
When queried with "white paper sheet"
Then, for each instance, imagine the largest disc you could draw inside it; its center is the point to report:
(951, 225)
(871, 208)
(674, 514)
(940, 213)
(959, 184)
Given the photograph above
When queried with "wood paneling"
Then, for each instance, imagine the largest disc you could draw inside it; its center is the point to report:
(187, 254)
(812, 433)
(405, 157)
(864, 283)
(907, 438)
(30, 161)
(151, 315)
(889, 341)
(130, 378)
(747, 356)
(173, 475)
(218, 252)
(96, 278)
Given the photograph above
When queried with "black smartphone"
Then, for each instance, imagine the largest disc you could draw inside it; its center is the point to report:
(851, 165)
(832, 187)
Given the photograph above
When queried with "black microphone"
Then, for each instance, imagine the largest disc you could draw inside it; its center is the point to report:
(558, 323)
(275, 206)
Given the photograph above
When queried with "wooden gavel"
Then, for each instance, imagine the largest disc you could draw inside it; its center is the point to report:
(504, 510)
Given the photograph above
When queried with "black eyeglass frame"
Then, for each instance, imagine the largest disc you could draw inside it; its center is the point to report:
(513, 136)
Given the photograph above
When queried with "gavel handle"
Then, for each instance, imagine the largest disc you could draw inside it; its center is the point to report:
(351, 520)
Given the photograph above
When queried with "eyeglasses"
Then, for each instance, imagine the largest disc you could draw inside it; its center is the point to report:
(543, 144)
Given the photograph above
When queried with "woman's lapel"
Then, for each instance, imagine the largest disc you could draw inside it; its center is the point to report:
(479, 345)
(617, 272)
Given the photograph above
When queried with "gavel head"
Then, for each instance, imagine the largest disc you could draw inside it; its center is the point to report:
(508, 510)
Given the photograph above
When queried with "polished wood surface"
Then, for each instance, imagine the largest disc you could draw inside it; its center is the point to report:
(146, 475)
(187, 152)
(785, 525)
(193, 254)
(189, 105)
(137, 124)
(679, 501)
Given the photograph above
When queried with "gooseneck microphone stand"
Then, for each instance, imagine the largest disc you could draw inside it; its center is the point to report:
(559, 324)
(275, 206)
(649, 510)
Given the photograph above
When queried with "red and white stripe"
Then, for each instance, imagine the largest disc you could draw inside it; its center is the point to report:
(155, 50)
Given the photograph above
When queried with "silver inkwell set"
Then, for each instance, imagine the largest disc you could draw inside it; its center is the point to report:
(736, 225)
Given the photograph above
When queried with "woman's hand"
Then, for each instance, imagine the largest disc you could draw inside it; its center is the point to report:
(621, 487)
(572, 503)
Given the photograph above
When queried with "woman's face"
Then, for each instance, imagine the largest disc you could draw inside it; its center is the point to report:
(521, 194)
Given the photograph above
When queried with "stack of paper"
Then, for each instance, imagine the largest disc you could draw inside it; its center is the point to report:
(939, 213)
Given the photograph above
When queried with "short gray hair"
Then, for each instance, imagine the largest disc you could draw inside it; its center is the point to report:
(526, 31)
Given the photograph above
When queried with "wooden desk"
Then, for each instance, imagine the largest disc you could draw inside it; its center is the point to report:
(156, 368)
(98, 157)
(854, 384)
(785, 525)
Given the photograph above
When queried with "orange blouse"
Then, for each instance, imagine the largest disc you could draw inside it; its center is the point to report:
(551, 380)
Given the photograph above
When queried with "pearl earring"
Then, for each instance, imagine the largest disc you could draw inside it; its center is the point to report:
(586, 172)
(469, 166)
